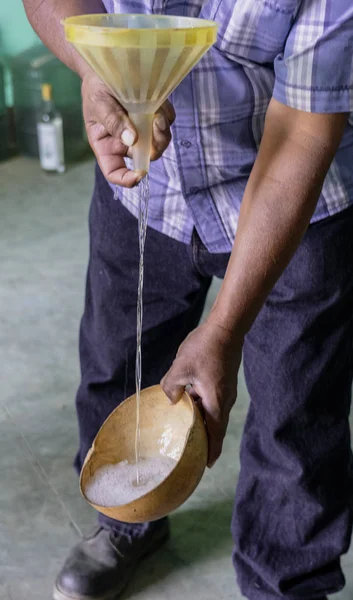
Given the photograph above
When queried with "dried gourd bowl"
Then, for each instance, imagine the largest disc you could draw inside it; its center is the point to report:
(176, 431)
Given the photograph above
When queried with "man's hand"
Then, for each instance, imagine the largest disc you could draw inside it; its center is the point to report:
(111, 134)
(209, 359)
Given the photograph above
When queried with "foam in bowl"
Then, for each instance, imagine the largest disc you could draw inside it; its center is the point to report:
(114, 485)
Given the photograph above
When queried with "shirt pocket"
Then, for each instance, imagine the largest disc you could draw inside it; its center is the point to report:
(252, 31)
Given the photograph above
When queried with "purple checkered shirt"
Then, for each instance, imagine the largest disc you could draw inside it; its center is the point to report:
(300, 52)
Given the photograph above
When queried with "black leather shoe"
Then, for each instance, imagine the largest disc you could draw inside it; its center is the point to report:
(102, 564)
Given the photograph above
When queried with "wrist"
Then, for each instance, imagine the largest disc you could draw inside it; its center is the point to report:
(83, 69)
(231, 331)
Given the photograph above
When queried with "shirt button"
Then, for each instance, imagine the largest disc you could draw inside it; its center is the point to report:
(185, 143)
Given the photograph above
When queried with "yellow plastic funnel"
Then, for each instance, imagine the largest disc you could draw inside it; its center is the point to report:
(141, 58)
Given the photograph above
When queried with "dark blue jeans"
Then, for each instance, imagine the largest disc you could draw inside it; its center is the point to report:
(293, 508)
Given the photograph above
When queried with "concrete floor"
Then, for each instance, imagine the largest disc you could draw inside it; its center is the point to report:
(43, 254)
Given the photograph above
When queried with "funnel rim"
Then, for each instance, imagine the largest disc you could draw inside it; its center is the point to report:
(72, 21)
(194, 408)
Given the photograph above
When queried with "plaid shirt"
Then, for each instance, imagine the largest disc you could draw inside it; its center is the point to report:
(300, 52)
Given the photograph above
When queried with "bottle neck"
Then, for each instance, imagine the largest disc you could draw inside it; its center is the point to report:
(48, 105)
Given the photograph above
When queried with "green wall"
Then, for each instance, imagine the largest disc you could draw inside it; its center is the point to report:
(16, 34)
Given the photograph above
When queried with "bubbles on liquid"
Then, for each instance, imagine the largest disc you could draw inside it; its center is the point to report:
(114, 485)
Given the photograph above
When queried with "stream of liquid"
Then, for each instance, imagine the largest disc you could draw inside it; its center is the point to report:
(144, 193)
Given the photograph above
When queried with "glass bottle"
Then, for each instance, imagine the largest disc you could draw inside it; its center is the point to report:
(50, 134)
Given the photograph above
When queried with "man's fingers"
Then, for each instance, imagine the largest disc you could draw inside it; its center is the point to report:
(124, 177)
(110, 131)
(192, 392)
(175, 381)
(216, 418)
(161, 137)
(172, 389)
(216, 430)
(165, 116)
(161, 132)
(101, 108)
(114, 169)
(110, 156)
(114, 119)
(174, 384)
(170, 112)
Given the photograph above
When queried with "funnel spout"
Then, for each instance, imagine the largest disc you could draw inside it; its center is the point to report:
(141, 151)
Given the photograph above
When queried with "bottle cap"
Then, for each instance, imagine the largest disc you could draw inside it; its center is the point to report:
(46, 91)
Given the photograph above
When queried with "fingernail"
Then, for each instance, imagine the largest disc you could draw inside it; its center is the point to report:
(161, 123)
(128, 137)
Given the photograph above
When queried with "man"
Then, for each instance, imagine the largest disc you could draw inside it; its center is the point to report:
(262, 147)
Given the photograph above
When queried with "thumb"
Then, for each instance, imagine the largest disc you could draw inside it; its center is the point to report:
(174, 383)
(116, 121)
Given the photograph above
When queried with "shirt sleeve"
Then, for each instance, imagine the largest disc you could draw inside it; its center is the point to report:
(315, 71)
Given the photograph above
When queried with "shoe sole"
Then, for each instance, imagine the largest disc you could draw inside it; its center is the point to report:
(114, 594)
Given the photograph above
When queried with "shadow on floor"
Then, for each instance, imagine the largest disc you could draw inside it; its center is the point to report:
(198, 535)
